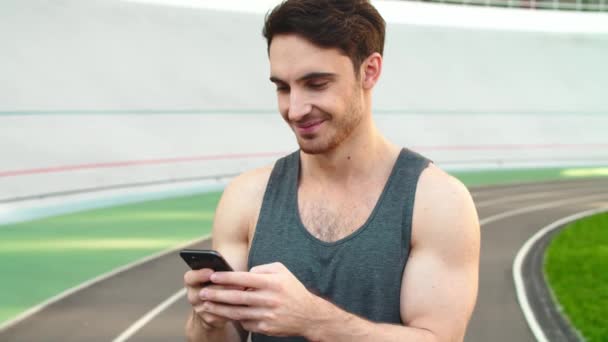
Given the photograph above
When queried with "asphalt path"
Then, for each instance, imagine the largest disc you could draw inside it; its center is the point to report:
(510, 215)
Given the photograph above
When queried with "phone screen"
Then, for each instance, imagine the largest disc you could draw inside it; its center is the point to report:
(198, 259)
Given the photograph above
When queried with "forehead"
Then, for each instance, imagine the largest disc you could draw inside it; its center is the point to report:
(292, 56)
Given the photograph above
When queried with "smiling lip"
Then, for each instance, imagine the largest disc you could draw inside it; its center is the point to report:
(309, 127)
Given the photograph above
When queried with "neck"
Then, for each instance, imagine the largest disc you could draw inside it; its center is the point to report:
(364, 154)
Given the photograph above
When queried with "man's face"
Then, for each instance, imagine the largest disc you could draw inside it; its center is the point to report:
(319, 96)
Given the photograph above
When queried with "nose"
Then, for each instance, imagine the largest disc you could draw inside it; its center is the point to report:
(299, 106)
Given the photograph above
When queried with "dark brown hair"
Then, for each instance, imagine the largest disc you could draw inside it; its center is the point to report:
(353, 26)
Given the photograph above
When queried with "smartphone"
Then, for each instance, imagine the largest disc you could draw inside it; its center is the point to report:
(205, 258)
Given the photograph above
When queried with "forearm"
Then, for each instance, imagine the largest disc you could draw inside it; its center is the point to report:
(197, 332)
(338, 325)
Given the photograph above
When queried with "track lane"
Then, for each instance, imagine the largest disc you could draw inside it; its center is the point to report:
(498, 315)
(105, 310)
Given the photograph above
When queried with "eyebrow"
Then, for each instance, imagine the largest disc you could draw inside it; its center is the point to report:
(306, 77)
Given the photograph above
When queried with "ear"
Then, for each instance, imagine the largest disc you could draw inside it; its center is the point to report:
(371, 68)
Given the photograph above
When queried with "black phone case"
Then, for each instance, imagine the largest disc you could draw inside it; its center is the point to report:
(199, 258)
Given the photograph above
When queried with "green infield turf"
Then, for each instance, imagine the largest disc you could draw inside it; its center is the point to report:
(495, 177)
(42, 258)
(576, 267)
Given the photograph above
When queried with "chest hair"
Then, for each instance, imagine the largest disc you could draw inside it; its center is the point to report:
(331, 218)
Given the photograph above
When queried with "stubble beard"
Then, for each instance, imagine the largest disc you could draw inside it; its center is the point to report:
(342, 129)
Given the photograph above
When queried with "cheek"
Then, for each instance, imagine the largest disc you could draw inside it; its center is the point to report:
(337, 97)
(284, 112)
(283, 104)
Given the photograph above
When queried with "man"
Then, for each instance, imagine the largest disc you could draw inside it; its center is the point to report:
(351, 238)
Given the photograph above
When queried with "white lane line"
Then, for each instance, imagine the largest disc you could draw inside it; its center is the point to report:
(493, 193)
(93, 281)
(150, 316)
(537, 207)
(483, 204)
(531, 195)
(520, 289)
(481, 193)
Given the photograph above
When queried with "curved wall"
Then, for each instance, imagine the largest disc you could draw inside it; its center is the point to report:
(100, 93)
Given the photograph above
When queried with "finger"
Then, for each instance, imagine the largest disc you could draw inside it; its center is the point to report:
(225, 287)
(214, 320)
(193, 296)
(235, 297)
(234, 312)
(209, 319)
(251, 326)
(261, 327)
(275, 267)
(194, 278)
(199, 309)
(244, 279)
(202, 310)
(194, 293)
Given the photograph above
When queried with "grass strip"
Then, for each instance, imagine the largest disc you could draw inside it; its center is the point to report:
(576, 268)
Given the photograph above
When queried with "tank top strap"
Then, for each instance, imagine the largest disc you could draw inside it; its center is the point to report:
(400, 194)
(279, 206)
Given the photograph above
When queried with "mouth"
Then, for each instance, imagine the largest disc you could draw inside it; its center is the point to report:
(309, 123)
(309, 126)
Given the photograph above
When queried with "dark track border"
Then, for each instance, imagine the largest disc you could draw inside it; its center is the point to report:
(555, 325)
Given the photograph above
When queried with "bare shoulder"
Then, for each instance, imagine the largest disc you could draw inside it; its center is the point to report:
(444, 208)
(250, 184)
(245, 193)
(435, 182)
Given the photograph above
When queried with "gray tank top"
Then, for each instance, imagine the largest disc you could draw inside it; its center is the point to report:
(360, 273)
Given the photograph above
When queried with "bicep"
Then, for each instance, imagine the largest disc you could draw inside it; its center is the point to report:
(438, 296)
(440, 280)
(229, 235)
(235, 214)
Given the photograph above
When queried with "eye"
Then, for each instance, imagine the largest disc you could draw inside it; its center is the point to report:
(282, 89)
(318, 85)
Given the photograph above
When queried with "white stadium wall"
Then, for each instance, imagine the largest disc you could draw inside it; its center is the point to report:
(104, 93)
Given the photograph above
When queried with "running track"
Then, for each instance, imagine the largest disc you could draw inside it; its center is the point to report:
(509, 215)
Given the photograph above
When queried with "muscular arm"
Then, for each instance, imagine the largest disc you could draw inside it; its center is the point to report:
(235, 219)
(439, 286)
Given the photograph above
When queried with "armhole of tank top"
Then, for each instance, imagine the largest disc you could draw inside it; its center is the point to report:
(273, 174)
(409, 206)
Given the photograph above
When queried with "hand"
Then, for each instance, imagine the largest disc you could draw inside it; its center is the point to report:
(275, 303)
(194, 281)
